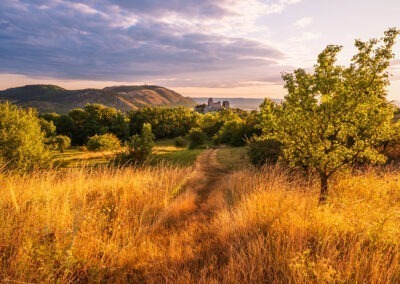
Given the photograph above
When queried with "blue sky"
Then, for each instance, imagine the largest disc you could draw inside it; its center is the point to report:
(231, 48)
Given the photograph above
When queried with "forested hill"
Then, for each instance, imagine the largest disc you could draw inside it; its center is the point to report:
(50, 98)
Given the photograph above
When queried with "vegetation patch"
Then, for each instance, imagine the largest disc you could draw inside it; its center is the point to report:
(233, 157)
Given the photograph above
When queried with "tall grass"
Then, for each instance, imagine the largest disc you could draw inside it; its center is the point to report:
(266, 227)
(275, 231)
(83, 224)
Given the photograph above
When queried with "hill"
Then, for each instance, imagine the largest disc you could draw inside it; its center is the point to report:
(50, 98)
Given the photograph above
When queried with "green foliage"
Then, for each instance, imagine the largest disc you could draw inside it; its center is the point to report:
(165, 122)
(263, 152)
(48, 128)
(22, 142)
(232, 132)
(210, 123)
(103, 142)
(391, 147)
(237, 126)
(180, 142)
(335, 116)
(197, 137)
(64, 123)
(140, 147)
(80, 124)
(62, 142)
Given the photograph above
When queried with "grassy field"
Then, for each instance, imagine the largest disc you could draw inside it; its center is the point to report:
(164, 152)
(76, 157)
(179, 157)
(160, 224)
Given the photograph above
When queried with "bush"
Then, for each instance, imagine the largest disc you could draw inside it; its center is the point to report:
(233, 133)
(180, 142)
(22, 142)
(197, 137)
(103, 142)
(62, 142)
(264, 151)
(140, 147)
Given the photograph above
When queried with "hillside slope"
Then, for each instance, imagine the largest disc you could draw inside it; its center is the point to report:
(50, 98)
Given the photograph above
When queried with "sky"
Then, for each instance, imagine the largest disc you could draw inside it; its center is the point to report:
(200, 48)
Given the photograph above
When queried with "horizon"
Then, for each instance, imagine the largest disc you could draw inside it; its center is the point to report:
(228, 49)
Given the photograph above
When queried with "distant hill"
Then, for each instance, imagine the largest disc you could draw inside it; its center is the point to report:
(50, 98)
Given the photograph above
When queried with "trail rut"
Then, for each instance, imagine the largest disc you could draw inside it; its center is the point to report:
(201, 193)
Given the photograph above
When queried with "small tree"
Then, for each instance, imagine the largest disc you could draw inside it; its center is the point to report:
(141, 146)
(335, 116)
(103, 142)
(62, 142)
(22, 141)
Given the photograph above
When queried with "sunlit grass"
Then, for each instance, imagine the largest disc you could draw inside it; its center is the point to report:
(274, 230)
(180, 157)
(137, 225)
(81, 157)
(164, 151)
(81, 224)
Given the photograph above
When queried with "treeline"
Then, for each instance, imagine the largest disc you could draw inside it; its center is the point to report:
(230, 126)
(26, 136)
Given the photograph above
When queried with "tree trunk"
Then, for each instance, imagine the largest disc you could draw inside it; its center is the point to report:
(324, 189)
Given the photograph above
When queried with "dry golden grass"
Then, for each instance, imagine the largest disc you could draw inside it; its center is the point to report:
(82, 224)
(275, 231)
(259, 227)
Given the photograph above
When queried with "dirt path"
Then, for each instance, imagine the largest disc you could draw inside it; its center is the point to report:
(201, 193)
(211, 173)
(185, 232)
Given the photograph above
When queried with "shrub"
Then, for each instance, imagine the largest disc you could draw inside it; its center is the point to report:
(233, 133)
(22, 142)
(264, 151)
(140, 147)
(103, 142)
(197, 137)
(180, 142)
(62, 142)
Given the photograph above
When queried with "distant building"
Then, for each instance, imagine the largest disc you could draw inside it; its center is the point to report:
(212, 106)
(225, 104)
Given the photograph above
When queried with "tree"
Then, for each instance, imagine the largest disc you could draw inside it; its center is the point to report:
(210, 123)
(49, 130)
(22, 141)
(62, 142)
(140, 147)
(335, 116)
(165, 122)
(105, 142)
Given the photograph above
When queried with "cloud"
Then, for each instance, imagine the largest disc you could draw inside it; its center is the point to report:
(303, 22)
(125, 40)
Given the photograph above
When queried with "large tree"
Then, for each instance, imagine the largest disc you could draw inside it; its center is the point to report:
(22, 141)
(336, 115)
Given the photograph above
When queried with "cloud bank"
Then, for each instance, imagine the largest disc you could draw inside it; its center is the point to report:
(123, 40)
